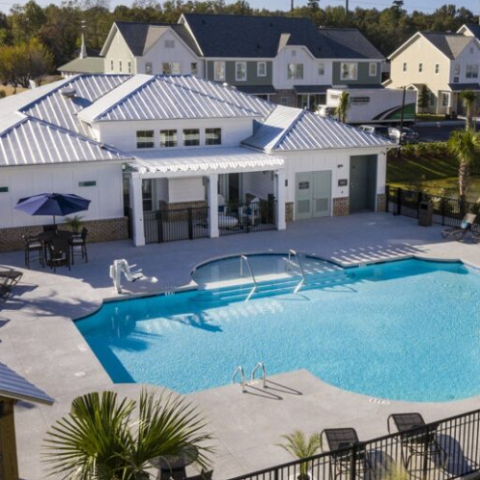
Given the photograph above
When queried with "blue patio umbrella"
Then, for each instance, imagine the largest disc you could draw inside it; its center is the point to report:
(55, 204)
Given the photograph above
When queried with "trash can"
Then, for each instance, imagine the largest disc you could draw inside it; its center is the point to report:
(425, 214)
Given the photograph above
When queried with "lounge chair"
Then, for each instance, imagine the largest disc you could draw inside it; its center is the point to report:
(458, 233)
(418, 439)
(8, 279)
(340, 441)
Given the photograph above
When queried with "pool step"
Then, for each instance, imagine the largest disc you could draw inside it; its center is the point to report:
(239, 293)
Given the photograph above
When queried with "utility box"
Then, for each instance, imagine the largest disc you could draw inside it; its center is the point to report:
(425, 214)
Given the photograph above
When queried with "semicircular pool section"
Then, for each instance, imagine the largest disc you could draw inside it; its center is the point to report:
(405, 330)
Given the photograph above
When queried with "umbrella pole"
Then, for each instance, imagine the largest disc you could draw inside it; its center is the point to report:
(54, 220)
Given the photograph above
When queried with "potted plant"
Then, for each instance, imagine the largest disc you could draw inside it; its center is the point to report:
(75, 223)
(297, 445)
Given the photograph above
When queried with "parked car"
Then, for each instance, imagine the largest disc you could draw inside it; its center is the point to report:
(408, 135)
(326, 112)
(382, 130)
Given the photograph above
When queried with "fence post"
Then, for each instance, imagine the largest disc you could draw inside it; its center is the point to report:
(443, 209)
(426, 451)
(419, 201)
(160, 226)
(190, 223)
(353, 470)
(387, 199)
(399, 201)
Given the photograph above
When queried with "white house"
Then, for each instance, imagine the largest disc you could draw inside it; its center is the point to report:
(152, 146)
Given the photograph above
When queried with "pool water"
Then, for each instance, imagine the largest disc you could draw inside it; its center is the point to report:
(405, 330)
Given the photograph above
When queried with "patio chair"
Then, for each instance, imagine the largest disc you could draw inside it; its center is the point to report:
(58, 253)
(78, 243)
(458, 233)
(8, 279)
(50, 228)
(340, 441)
(33, 250)
(418, 439)
(251, 213)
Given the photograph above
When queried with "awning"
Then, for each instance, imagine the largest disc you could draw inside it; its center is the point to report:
(462, 87)
(311, 89)
(202, 161)
(257, 89)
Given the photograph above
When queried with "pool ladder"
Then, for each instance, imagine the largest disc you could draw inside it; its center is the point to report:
(244, 259)
(240, 372)
(290, 262)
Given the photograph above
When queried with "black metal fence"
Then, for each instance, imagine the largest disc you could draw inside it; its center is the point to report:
(446, 211)
(169, 225)
(441, 450)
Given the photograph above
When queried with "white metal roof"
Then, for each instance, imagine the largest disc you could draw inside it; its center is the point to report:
(292, 129)
(14, 386)
(33, 142)
(147, 97)
(214, 160)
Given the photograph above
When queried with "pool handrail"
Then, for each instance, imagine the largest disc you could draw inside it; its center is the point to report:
(240, 371)
(258, 366)
(244, 258)
(291, 253)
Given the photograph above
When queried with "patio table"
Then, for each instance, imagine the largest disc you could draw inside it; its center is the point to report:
(173, 466)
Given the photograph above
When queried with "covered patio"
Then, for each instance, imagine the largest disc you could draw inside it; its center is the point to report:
(198, 180)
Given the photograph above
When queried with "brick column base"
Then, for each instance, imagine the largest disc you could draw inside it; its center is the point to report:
(107, 230)
(381, 202)
(289, 211)
(341, 206)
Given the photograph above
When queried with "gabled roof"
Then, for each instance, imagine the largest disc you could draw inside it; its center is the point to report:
(14, 386)
(148, 97)
(472, 28)
(450, 45)
(288, 129)
(350, 43)
(243, 36)
(140, 36)
(30, 141)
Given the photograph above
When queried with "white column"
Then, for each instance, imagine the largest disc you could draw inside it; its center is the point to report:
(136, 204)
(280, 176)
(213, 205)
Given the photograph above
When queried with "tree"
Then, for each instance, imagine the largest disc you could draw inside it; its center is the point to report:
(21, 63)
(343, 107)
(465, 146)
(99, 440)
(423, 98)
(26, 20)
(468, 97)
(313, 5)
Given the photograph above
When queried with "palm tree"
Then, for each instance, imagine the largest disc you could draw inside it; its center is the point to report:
(99, 440)
(465, 146)
(469, 98)
(343, 107)
(297, 445)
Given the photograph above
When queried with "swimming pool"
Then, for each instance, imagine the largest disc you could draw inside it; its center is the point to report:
(404, 330)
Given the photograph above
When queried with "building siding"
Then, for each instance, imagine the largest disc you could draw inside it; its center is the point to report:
(252, 78)
(363, 74)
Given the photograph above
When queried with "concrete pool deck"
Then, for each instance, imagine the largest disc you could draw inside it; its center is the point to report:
(39, 340)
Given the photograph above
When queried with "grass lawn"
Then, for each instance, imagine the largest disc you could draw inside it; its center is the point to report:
(435, 175)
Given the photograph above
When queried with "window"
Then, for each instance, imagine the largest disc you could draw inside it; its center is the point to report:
(456, 70)
(261, 69)
(321, 69)
(420, 67)
(372, 69)
(295, 70)
(191, 137)
(129, 67)
(169, 43)
(112, 65)
(437, 68)
(89, 183)
(284, 101)
(213, 136)
(405, 66)
(145, 139)
(147, 194)
(219, 71)
(120, 66)
(168, 138)
(171, 68)
(445, 99)
(148, 68)
(348, 71)
(472, 71)
(240, 71)
(3, 189)
(194, 68)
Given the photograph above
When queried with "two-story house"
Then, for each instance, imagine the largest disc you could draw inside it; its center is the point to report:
(442, 64)
(154, 146)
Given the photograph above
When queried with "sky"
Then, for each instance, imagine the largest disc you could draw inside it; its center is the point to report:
(427, 6)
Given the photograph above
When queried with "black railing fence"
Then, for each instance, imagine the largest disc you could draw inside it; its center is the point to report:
(446, 211)
(441, 450)
(169, 225)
